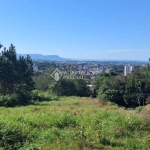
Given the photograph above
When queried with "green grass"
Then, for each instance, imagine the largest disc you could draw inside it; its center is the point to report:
(72, 123)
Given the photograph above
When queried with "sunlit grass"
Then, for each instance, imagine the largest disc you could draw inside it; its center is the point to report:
(72, 123)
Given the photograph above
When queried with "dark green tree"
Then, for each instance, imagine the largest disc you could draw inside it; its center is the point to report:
(43, 81)
(64, 87)
(70, 87)
(81, 87)
(1, 45)
(110, 87)
(137, 88)
(16, 75)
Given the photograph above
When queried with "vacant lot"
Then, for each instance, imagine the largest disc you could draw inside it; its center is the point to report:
(73, 123)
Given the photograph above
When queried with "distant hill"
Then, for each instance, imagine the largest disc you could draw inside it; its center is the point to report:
(44, 57)
(58, 58)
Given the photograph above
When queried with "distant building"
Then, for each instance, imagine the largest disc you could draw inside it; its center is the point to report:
(131, 68)
(35, 68)
(107, 70)
(128, 69)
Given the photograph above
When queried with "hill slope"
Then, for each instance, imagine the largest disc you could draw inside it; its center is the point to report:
(44, 57)
(72, 123)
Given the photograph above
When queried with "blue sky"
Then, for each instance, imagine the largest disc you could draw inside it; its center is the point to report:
(81, 29)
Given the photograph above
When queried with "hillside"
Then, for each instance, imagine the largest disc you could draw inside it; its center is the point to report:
(73, 123)
(44, 57)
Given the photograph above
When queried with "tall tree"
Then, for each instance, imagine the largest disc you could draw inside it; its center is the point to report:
(110, 87)
(15, 74)
(1, 45)
(137, 88)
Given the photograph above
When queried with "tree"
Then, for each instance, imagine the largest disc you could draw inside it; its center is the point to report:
(70, 87)
(1, 45)
(110, 87)
(81, 87)
(16, 75)
(64, 87)
(137, 88)
(8, 70)
(43, 81)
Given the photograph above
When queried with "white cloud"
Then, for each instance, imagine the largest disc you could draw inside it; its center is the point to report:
(131, 50)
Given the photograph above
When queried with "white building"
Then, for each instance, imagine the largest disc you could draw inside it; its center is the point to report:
(35, 68)
(131, 68)
(128, 69)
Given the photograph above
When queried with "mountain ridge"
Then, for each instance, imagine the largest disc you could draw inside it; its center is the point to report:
(44, 57)
(58, 58)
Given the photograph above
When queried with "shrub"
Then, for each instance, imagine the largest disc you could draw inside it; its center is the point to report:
(66, 120)
(36, 95)
(9, 100)
(138, 109)
(102, 98)
(148, 100)
(19, 98)
(13, 135)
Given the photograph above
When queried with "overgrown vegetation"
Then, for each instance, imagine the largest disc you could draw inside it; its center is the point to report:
(72, 123)
(130, 91)
(68, 87)
(64, 87)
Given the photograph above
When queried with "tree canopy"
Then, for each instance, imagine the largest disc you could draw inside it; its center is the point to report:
(15, 75)
(130, 91)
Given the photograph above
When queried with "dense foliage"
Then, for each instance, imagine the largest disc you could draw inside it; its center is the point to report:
(130, 91)
(64, 87)
(17, 82)
(67, 87)
(43, 81)
(15, 78)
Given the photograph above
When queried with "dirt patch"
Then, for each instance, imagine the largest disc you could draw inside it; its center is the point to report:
(145, 111)
(132, 111)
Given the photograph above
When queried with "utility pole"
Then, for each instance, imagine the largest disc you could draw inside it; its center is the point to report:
(141, 99)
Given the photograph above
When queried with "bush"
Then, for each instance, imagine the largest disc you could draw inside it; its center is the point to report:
(148, 100)
(36, 95)
(70, 87)
(19, 98)
(103, 98)
(138, 109)
(66, 120)
(23, 97)
(9, 100)
(13, 136)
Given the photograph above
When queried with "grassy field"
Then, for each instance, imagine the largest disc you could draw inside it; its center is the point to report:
(73, 123)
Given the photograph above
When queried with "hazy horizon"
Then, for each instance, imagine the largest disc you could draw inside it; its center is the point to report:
(87, 59)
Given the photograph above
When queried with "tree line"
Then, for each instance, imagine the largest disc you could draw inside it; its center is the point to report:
(130, 91)
(18, 80)
(19, 83)
(64, 87)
